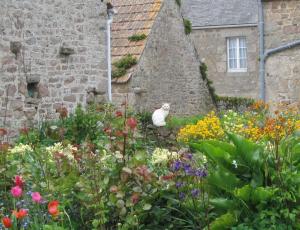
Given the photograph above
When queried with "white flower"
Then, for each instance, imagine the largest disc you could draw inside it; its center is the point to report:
(234, 163)
(160, 156)
(20, 149)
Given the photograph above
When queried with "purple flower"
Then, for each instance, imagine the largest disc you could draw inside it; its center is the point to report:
(188, 169)
(201, 173)
(195, 192)
(189, 156)
(179, 184)
(176, 166)
(181, 195)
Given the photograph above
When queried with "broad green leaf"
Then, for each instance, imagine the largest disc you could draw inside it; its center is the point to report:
(244, 193)
(223, 222)
(147, 207)
(262, 194)
(222, 203)
(224, 179)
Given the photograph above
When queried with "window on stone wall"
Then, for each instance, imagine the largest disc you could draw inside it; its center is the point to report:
(237, 54)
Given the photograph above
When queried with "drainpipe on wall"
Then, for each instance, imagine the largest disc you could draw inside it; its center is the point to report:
(263, 55)
(110, 14)
(261, 29)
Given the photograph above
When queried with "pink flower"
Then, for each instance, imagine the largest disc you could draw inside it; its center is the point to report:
(36, 197)
(16, 191)
(19, 181)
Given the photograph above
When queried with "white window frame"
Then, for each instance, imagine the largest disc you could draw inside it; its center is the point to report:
(238, 69)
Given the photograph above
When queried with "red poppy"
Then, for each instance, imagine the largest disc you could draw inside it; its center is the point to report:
(53, 208)
(20, 214)
(131, 122)
(119, 114)
(6, 221)
(135, 198)
(3, 132)
(19, 181)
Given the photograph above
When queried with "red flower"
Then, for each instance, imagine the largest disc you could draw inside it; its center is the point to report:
(119, 114)
(16, 191)
(168, 177)
(20, 214)
(19, 181)
(131, 122)
(3, 132)
(135, 198)
(107, 131)
(53, 208)
(6, 221)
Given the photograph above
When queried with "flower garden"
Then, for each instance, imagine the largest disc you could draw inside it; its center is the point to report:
(103, 169)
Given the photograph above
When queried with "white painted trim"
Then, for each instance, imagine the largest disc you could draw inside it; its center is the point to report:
(238, 69)
(223, 26)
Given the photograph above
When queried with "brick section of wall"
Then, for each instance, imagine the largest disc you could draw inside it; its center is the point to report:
(282, 25)
(211, 45)
(168, 70)
(40, 29)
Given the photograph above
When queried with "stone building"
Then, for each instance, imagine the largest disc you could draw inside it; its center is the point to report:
(226, 35)
(282, 26)
(167, 68)
(52, 54)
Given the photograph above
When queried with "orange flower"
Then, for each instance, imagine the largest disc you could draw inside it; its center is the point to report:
(20, 214)
(53, 208)
(6, 221)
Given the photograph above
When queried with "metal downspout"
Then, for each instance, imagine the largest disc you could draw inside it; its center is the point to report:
(261, 25)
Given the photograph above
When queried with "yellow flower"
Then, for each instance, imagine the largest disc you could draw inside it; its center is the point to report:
(207, 128)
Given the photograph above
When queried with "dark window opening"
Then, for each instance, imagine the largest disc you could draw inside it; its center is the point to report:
(32, 89)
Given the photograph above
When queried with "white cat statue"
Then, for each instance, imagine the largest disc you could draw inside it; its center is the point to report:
(159, 115)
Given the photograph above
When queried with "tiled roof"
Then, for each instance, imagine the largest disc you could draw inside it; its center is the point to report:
(133, 17)
(204, 13)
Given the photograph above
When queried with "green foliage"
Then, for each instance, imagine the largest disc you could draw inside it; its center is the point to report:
(179, 122)
(137, 37)
(122, 65)
(211, 89)
(245, 180)
(187, 26)
(234, 102)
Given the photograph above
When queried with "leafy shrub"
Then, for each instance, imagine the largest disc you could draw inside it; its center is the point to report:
(122, 65)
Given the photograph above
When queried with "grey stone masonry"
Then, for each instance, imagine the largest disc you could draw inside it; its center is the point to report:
(52, 54)
(168, 71)
(282, 25)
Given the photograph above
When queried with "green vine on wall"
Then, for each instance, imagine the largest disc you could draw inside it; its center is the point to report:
(187, 26)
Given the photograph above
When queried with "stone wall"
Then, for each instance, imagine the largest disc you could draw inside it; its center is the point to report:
(52, 54)
(168, 71)
(211, 45)
(282, 25)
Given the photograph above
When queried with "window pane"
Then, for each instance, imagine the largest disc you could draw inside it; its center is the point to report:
(232, 53)
(243, 63)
